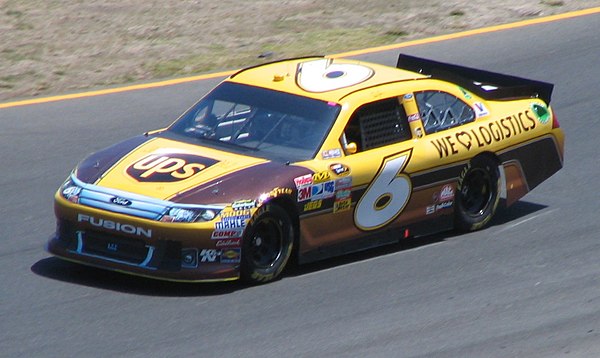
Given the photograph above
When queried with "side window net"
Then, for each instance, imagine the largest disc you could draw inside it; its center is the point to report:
(440, 111)
(380, 123)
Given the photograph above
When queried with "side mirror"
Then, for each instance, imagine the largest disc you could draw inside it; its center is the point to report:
(351, 148)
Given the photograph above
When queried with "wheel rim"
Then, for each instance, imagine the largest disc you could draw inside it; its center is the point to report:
(266, 243)
(476, 192)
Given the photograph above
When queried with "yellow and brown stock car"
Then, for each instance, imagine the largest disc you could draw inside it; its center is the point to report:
(310, 157)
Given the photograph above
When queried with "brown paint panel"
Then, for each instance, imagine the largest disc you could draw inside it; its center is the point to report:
(516, 184)
(92, 168)
(247, 183)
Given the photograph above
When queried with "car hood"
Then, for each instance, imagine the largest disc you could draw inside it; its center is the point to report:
(167, 169)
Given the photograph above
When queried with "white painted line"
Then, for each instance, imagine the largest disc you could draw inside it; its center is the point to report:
(526, 220)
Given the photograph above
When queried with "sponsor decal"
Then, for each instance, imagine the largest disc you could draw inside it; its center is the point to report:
(318, 186)
(444, 205)
(332, 153)
(465, 93)
(226, 234)
(209, 255)
(480, 109)
(120, 201)
(414, 117)
(243, 204)
(232, 222)
(189, 258)
(304, 193)
(224, 256)
(323, 190)
(342, 205)
(231, 256)
(227, 214)
(115, 226)
(303, 181)
(274, 193)
(541, 112)
(408, 96)
(343, 183)
(431, 209)
(339, 169)
(447, 193)
(484, 135)
(233, 242)
(343, 194)
(321, 177)
(313, 205)
(168, 167)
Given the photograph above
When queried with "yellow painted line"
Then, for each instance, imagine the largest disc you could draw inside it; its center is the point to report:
(428, 40)
(115, 90)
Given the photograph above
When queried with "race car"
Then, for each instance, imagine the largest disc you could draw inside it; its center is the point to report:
(305, 159)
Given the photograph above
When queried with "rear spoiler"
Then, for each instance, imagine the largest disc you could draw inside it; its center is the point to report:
(485, 84)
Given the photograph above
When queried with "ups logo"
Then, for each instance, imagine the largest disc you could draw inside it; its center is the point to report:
(168, 167)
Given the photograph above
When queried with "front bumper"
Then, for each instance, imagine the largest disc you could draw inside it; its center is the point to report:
(188, 252)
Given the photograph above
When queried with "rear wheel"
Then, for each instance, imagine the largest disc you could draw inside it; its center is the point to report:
(478, 196)
(267, 244)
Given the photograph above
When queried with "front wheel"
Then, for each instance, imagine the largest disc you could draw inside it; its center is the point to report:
(477, 197)
(267, 244)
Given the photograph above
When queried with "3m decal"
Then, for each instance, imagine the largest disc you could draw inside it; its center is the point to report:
(304, 193)
(484, 135)
(387, 195)
(323, 75)
(168, 167)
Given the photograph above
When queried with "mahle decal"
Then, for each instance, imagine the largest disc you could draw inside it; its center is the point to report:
(168, 167)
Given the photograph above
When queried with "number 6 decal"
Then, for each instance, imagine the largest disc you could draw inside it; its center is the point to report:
(387, 195)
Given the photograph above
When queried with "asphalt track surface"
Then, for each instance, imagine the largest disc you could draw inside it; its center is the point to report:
(527, 286)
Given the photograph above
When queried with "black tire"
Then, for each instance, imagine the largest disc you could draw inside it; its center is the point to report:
(267, 244)
(477, 194)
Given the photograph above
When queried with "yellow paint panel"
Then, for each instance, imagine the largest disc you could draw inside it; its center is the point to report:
(163, 168)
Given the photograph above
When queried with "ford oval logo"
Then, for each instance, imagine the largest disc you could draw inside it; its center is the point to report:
(120, 201)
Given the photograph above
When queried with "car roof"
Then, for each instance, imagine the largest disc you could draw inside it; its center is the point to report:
(328, 79)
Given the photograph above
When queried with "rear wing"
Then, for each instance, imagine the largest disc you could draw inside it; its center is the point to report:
(485, 84)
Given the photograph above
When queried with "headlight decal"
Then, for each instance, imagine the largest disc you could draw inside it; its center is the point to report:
(136, 205)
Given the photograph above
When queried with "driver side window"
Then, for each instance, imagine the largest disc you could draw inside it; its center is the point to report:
(375, 125)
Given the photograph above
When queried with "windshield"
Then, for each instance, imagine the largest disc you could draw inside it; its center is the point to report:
(271, 123)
